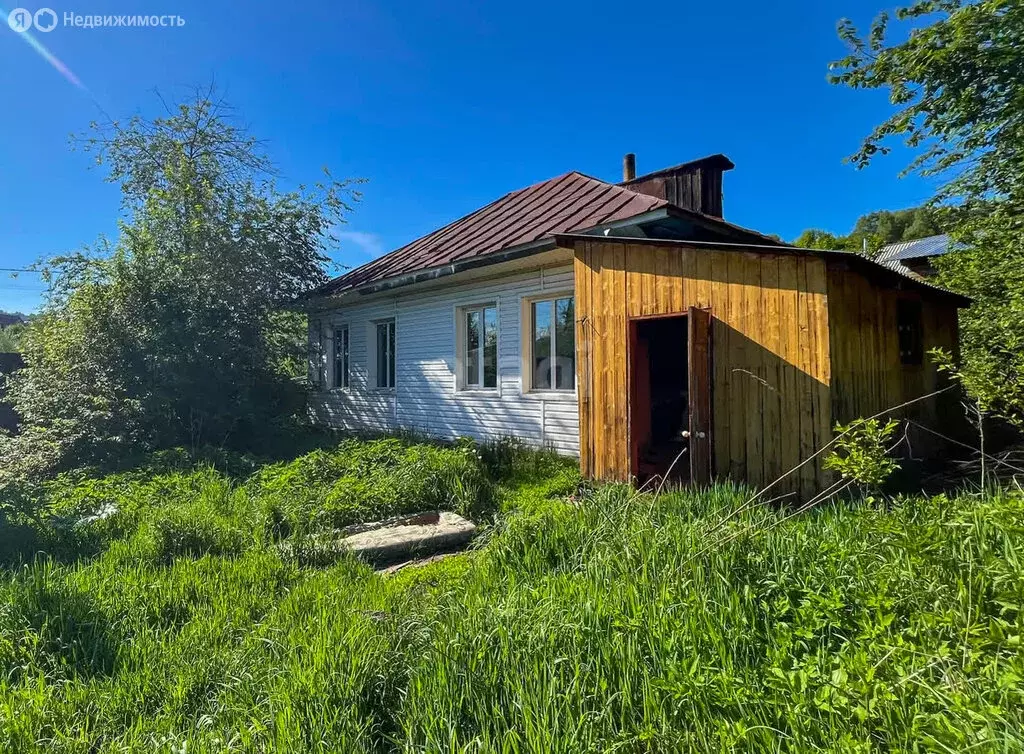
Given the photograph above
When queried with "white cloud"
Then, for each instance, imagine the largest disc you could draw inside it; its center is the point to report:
(358, 246)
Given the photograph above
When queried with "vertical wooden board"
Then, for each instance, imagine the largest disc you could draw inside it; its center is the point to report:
(642, 274)
(701, 289)
(612, 301)
(685, 288)
(752, 323)
(663, 290)
(840, 327)
(772, 368)
(889, 349)
(618, 421)
(818, 285)
(807, 381)
(582, 277)
(721, 337)
(736, 360)
(789, 381)
(721, 405)
(634, 287)
(868, 353)
(599, 291)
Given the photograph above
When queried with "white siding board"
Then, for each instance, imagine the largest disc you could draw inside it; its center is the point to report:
(425, 398)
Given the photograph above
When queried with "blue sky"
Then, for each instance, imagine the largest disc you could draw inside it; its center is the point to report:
(445, 106)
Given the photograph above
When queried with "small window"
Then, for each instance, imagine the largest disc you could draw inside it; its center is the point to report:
(386, 354)
(479, 347)
(553, 360)
(341, 357)
(911, 332)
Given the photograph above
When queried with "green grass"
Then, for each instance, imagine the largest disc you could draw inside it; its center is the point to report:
(615, 623)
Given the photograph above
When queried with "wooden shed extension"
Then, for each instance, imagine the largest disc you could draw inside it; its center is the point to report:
(798, 340)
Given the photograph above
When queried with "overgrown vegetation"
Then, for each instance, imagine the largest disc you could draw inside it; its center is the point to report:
(586, 620)
(185, 504)
(174, 334)
(10, 337)
(955, 81)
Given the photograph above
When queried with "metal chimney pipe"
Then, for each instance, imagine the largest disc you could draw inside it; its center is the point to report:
(629, 167)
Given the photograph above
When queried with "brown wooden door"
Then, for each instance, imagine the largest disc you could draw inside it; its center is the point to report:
(700, 395)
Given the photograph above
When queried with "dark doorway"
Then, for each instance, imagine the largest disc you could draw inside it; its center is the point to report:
(660, 401)
(670, 397)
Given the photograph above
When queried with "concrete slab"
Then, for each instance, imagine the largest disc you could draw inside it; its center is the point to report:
(384, 543)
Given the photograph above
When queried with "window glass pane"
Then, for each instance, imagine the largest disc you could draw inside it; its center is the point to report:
(346, 352)
(565, 344)
(321, 366)
(542, 345)
(341, 357)
(490, 347)
(382, 355)
(473, 348)
(391, 354)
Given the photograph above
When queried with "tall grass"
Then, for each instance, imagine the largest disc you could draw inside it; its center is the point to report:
(591, 626)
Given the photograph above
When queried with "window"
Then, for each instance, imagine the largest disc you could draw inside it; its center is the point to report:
(317, 361)
(553, 358)
(911, 332)
(478, 347)
(341, 362)
(386, 354)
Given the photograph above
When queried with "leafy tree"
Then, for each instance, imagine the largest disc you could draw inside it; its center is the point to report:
(877, 229)
(957, 83)
(10, 338)
(174, 333)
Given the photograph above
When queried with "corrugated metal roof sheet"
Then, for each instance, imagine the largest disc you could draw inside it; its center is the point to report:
(932, 246)
(565, 204)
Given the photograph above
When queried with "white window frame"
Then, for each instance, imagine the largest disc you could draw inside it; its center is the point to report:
(527, 331)
(391, 359)
(462, 347)
(342, 340)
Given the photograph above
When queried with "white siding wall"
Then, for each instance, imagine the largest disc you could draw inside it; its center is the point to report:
(425, 398)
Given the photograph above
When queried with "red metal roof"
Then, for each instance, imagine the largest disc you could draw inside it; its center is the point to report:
(565, 204)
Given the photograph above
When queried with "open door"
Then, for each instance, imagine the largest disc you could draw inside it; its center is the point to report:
(699, 365)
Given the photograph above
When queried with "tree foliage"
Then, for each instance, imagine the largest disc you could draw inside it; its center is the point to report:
(174, 333)
(10, 338)
(875, 230)
(861, 453)
(957, 84)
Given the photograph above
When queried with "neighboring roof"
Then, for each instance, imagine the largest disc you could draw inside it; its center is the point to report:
(932, 246)
(869, 266)
(567, 203)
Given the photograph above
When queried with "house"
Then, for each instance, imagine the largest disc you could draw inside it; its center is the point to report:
(917, 255)
(631, 325)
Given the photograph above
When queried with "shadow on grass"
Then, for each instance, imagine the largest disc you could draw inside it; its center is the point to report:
(56, 630)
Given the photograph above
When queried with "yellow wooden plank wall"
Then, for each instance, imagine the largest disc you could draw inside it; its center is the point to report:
(770, 344)
(867, 376)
